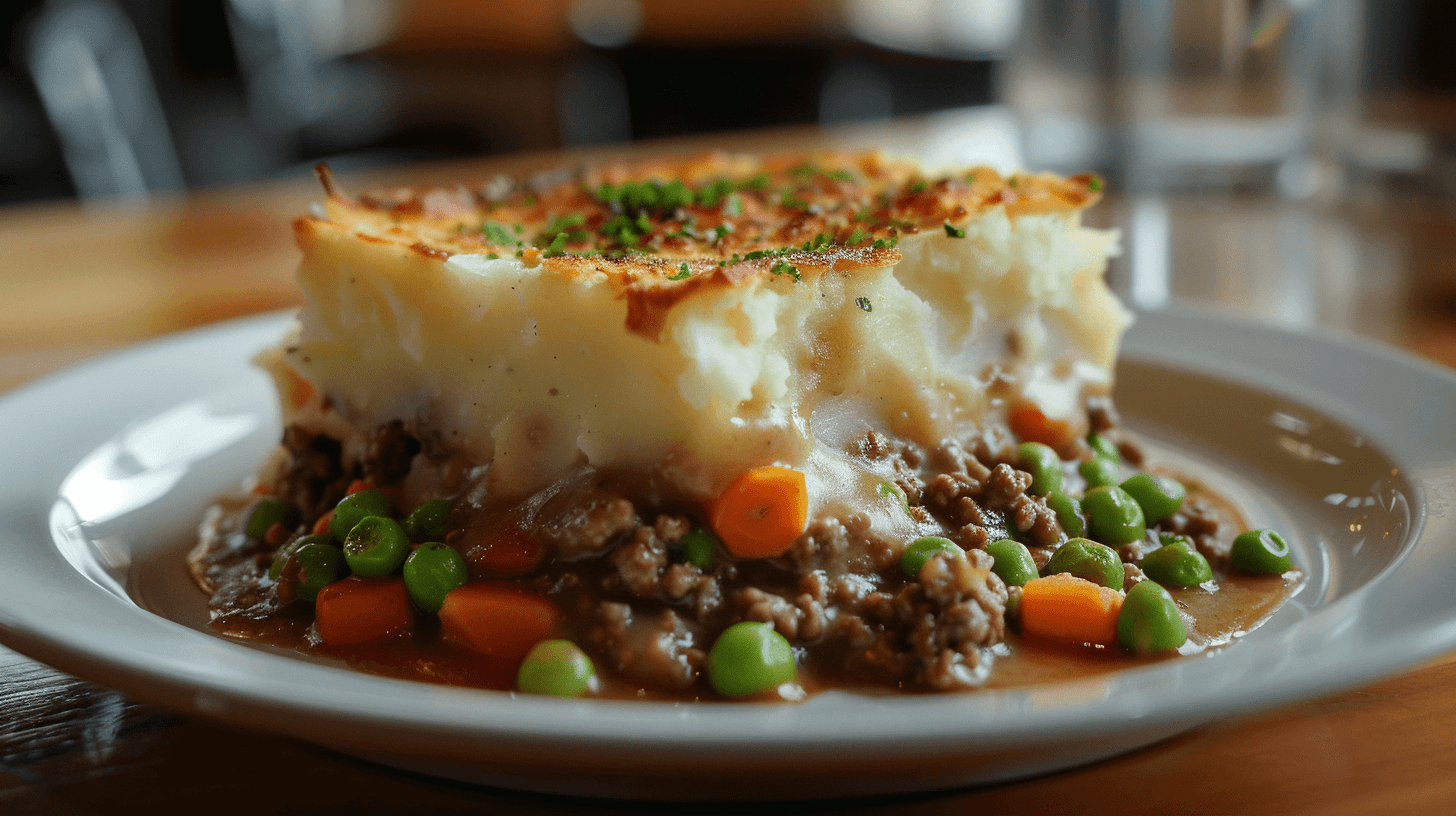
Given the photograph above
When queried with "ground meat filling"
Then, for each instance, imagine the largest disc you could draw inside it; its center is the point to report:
(614, 563)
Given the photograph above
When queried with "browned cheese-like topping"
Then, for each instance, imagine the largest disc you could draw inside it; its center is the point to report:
(676, 221)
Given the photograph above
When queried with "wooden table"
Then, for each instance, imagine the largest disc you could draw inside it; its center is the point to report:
(79, 281)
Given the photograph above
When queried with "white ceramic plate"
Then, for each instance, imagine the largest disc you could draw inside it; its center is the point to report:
(1346, 447)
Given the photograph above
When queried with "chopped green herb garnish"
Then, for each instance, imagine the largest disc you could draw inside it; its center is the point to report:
(496, 233)
(857, 236)
(953, 231)
(784, 267)
(674, 194)
(713, 194)
(757, 182)
(556, 247)
(791, 200)
(920, 187)
(719, 232)
(735, 205)
(1011, 182)
(562, 230)
(1095, 184)
(682, 272)
(608, 194)
(517, 229)
(491, 256)
(635, 197)
(864, 303)
(840, 175)
(640, 195)
(882, 243)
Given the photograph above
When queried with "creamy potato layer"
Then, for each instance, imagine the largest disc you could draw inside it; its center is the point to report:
(535, 365)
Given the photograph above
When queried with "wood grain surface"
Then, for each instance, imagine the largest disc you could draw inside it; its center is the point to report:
(76, 282)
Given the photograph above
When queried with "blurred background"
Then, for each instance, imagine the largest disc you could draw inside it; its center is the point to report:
(108, 97)
(1256, 152)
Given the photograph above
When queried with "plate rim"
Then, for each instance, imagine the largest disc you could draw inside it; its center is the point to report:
(619, 723)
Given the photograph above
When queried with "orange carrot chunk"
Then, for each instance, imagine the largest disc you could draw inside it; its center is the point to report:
(762, 512)
(276, 535)
(321, 527)
(503, 553)
(497, 619)
(358, 486)
(1031, 425)
(1067, 608)
(301, 392)
(361, 610)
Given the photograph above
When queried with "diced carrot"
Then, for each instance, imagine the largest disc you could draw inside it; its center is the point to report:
(1031, 425)
(393, 492)
(762, 512)
(300, 391)
(360, 610)
(497, 619)
(502, 553)
(276, 535)
(1067, 608)
(321, 527)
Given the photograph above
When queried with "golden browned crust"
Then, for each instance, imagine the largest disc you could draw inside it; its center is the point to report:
(659, 230)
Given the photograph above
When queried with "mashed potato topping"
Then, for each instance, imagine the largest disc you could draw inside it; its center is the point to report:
(528, 333)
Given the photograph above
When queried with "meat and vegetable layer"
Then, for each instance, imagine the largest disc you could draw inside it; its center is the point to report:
(718, 427)
(593, 586)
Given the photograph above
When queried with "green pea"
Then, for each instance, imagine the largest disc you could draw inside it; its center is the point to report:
(1100, 472)
(1158, 496)
(699, 547)
(1113, 517)
(376, 546)
(319, 566)
(1044, 466)
(892, 491)
(1263, 551)
(556, 667)
(749, 657)
(280, 558)
(1103, 447)
(1149, 620)
(430, 572)
(1088, 559)
(1014, 564)
(353, 508)
(1069, 513)
(1176, 563)
(267, 513)
(920, 551)
(428, 520)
